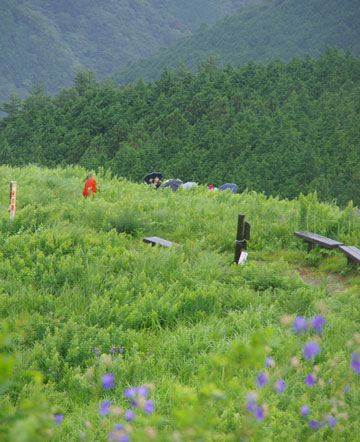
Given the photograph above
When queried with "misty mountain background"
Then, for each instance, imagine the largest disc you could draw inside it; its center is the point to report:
(273, 29)
(48, 42)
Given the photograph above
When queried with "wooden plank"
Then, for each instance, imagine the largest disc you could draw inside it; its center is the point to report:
(314, 238)
(352, 253)
(153, 240)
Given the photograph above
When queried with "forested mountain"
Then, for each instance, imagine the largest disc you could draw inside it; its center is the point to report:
(49, 41)
(262, 32)
(281, 128)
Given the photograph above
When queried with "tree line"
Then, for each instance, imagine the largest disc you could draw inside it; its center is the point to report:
(280, 128)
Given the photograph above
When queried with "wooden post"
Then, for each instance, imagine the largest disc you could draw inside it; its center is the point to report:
(12, 202)
(240, 242)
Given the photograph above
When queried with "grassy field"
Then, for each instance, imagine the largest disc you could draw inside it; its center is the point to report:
(104, 337)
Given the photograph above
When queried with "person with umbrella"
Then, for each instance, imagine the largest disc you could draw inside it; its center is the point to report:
(154, 178)
(230, 186)
(174, 184)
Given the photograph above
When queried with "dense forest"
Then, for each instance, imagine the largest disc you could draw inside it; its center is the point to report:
(281, 128)
(49, 41)
(263, 32)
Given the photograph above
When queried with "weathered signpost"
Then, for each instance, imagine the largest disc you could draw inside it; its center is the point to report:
(12, 202)
(243, 235)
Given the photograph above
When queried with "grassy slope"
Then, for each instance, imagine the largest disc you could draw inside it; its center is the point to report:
(186, 317)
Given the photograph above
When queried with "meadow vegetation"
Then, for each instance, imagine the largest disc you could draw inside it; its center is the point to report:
(104, 337)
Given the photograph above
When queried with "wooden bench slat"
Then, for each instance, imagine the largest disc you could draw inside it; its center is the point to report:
(156, 240)
(352, 253)
(314, 238)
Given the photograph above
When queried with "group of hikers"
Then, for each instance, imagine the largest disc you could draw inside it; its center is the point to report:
(153, 179)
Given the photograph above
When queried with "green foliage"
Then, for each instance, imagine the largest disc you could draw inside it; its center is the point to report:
(83, 296)
(24, 413)
(280, 129)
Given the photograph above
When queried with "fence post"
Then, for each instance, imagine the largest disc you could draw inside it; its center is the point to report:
(12, 202)
(240, 242)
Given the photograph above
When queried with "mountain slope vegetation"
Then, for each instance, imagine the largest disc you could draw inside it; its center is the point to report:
(261, 32)
(281, 128)
(48, 42)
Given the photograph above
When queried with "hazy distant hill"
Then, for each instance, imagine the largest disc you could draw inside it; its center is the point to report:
(49, 41)
(261, 32)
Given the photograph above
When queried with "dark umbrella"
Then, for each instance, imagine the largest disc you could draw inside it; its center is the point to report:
(232, 186)
(149, 178)
(174, 184)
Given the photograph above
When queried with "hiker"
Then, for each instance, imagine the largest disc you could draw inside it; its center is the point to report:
(157, 182)
(90, 185)
(154, 178)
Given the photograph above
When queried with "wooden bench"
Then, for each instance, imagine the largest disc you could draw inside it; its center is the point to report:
(153, 240)
(352, 253)
(314, 239)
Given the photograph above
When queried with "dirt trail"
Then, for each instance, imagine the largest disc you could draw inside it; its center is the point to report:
(332, 282)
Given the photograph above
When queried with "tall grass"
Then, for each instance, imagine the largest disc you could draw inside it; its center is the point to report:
(77, 284)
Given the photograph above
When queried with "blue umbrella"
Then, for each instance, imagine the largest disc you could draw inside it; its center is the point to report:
(232, 186)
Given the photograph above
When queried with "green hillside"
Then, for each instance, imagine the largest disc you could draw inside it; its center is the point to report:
(103, 337)
(280, 128)
(275, 28)
(48, 42)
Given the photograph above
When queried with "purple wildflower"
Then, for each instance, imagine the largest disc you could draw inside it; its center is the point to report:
(355, 363)
(347, 388)
(104, 408)
(130, 392)
(107, 381)
(300, 325)
(124, 438)
(262, 379)
(259, 414)
(129, 415)
(311, 349)
(111, 436)
(280, 385)
(251, 406)
(134, 403)
(331, 421)
(59, 418)
(310, 380)
(318, 323)
(251, 401)
(314, 424)
(149, 406)
(304, 410)
(269, 361)
(142, 391)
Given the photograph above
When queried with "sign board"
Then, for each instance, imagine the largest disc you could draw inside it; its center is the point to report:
(242, 258)
(12, 203)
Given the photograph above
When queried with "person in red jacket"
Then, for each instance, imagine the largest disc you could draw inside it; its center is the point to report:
(90, 185)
